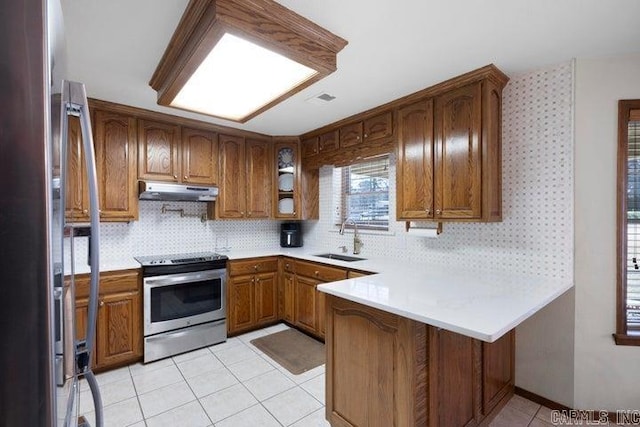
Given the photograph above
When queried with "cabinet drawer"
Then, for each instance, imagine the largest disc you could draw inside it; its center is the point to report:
(320, 272)
(250, 266)
(289, 265)
(110, 282)
(355, 273)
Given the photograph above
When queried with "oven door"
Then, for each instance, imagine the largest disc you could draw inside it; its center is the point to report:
(176, 301)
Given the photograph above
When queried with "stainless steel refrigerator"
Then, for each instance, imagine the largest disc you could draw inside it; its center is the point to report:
(41, 361)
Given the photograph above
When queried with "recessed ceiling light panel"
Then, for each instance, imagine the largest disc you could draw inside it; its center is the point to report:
(235, 59)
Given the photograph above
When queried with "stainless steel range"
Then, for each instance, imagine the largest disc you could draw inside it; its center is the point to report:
(184, 302)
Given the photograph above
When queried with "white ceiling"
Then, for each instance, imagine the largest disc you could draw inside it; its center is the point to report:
(395, 47)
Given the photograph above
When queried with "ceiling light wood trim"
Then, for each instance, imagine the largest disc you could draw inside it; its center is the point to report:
(263, 22)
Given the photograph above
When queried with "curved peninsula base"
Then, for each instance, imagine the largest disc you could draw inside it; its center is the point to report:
(387, 370)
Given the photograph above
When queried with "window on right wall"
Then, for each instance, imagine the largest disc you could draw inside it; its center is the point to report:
(628, 245)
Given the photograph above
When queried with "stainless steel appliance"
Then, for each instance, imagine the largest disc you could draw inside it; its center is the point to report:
(171, 191)
(183, 302)
(37, 323)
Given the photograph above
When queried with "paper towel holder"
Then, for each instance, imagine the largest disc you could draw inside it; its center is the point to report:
(438, 228)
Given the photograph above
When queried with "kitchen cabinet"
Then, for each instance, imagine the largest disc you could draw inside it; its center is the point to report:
(448, 154)
(199, 156)
(369, 129)
(286, 296)
(158, 151)
(252, 296)
(119, 329)
(245, 168)
(287, 181)
(309, 306)
(116, 165)
(414, 161)
(77, 192)
(409, 373)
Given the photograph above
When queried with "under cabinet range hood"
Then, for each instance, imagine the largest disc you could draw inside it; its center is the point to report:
(176, 192)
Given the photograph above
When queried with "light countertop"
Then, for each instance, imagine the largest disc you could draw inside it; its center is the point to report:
(482, 305)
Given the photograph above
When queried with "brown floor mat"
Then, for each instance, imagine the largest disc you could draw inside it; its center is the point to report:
(292, 349)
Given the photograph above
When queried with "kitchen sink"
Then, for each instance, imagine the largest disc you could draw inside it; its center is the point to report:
(341, 257)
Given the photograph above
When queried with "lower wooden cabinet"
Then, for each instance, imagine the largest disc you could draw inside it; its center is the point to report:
(252, 299)
(309, 312)
(408, 373)
(119, 330)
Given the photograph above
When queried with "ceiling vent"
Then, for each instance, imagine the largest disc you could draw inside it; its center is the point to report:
(321, 99)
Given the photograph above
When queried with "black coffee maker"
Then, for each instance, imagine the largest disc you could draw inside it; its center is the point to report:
(291, 234)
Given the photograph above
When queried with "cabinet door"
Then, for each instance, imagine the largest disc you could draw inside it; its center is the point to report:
(288, 297)
(309, 147)
(305, 304)
(458, 162)
(81, 319)
(498, 371)
(380, 126)
(158, 151)
(266, 298)
(116, 167)
(328, 141)
(119, 328)
(231, 200)
(76, 193)
(287, 181)
(259, 175)
(350, 135)
(199, 156)
(241, 304)
(415, 161)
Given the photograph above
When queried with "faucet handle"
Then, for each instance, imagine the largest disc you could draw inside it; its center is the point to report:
(344, 249)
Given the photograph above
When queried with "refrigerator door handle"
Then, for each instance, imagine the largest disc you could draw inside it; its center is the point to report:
(76, 104)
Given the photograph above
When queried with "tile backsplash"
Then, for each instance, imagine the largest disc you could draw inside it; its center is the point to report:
(536, 234)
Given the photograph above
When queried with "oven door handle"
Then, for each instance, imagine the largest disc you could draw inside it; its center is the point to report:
(175, 279)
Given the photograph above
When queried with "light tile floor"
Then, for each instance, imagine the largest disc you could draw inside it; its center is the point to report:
(234, 384)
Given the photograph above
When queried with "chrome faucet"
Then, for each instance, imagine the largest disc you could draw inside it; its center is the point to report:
(357, 242)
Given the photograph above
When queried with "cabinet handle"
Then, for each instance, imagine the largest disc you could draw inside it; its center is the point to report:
(317, 272)
(286, 265)
(256, 267)
(438, 212)
(366, 135)
(242, 213)
(294, 212)
(101, 303)
(253, 280)
(428, 211)
(186, 177)
(358, 138)
(257, 279)
(85, 211)
(175, 176)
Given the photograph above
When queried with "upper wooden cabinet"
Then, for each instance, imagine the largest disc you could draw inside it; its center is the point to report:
(199, 156)
(245, 168)
(116, 165)
(449, 147)
(414, 170)
(76, 193)
(158, 151)
(458, 159)
(350, 134)
(379, 126)
(286, 180)
(114, 138)
(169, 152)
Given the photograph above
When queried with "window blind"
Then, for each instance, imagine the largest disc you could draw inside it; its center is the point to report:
(633, 228)
(365, 193)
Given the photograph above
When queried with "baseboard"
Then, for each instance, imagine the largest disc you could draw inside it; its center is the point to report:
(536, 398)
